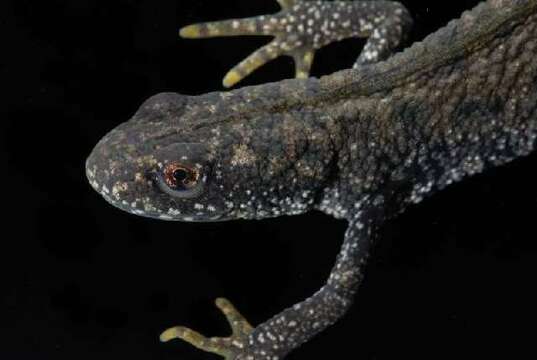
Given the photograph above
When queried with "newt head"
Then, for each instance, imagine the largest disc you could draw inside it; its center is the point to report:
(198, 158)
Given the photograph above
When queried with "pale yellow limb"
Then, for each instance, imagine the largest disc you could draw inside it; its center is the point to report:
(234, 27)
(283, 44)
(303, 63)
(212, 345)
(257, 59)
(227, 347)
(238, 323)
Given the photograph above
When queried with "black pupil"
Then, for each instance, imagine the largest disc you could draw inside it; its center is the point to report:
(180, 175)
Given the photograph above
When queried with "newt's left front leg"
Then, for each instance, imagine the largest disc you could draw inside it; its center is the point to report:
(302, 27)
(273, 339)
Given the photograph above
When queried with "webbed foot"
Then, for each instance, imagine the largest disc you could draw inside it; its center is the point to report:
(302, 27)
(230, 348)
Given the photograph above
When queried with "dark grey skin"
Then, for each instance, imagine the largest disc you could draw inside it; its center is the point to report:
(360, 145)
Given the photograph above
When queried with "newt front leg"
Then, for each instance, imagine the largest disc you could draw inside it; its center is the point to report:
(286, 331)
(302, 27)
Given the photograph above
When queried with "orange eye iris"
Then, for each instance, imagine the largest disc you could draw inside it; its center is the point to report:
(178, 176)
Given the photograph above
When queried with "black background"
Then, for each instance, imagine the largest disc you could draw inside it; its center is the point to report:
(454, 277)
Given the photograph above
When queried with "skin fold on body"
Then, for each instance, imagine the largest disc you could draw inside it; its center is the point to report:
(361, 144)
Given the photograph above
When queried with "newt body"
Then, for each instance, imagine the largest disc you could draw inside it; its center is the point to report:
(361, 144)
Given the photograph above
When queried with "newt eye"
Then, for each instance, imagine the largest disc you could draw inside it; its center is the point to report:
(180, 180)
(180, 177)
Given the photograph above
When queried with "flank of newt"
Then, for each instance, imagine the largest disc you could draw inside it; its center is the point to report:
(361, 144)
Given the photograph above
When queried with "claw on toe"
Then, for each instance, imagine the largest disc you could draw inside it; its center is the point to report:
(285, 4)
(226, 347)
(190, 32)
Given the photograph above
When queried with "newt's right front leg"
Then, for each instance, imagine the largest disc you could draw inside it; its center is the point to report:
(305, 26)
(275, 338)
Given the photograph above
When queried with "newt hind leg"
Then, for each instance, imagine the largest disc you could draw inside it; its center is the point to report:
(302, 27)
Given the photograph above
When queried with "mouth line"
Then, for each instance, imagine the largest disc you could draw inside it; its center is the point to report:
(158, 215)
